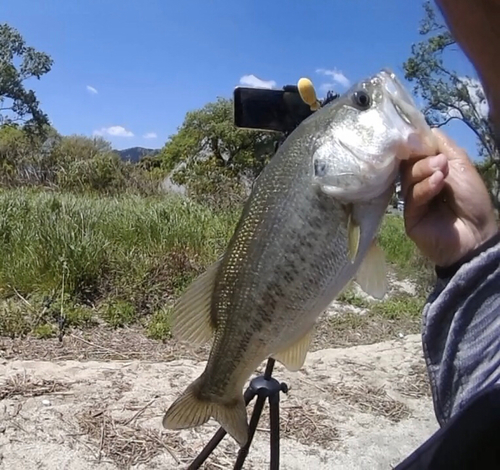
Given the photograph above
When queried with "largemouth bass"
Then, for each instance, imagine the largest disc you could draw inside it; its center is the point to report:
(306, 231)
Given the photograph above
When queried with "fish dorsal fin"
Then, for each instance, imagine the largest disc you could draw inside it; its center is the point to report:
(191, 319)
(308, 94)
(353, 235)
(293, 357)
(372, 274)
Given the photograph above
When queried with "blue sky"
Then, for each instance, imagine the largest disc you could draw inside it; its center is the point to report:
(131, 69)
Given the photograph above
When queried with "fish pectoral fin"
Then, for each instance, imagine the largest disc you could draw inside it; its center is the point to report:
(191, 319)
(189, 411)
(372, 274)
(293, 357)
(353, 234)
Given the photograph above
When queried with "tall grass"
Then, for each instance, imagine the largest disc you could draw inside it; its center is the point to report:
(95, 250)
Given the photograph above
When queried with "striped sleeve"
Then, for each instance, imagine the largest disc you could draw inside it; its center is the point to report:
(461, 330)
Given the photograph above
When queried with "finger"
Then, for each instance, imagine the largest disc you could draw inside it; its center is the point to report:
(421, 170)
(422, 193)
(449, 147)
(419, 197)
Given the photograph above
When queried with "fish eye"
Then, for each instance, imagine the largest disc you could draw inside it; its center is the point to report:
(362, 99)
(319, 168)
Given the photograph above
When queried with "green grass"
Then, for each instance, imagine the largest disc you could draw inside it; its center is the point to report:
(401, 253)
(118, 258)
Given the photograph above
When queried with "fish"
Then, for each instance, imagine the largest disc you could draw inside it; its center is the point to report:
(307, 230)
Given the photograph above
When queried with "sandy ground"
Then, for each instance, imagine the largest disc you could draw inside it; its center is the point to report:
(364, 407)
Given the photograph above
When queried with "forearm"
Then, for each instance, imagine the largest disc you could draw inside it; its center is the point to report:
(475, 24)
(461, 331)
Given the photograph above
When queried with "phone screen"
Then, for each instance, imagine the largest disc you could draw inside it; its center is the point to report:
(269, 110)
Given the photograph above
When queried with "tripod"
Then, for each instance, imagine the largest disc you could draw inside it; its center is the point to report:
(263, 386)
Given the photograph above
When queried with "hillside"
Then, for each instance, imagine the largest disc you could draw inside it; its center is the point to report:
(134, 154)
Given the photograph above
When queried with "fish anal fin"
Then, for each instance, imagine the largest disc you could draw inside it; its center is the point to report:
(191, 315)
(372, 273)
(294, 356)
(189, 411)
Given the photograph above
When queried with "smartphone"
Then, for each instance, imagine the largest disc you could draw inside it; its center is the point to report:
(269, 110)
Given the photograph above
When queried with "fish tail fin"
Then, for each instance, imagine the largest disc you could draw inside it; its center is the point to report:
(189, 411)
(233, 418)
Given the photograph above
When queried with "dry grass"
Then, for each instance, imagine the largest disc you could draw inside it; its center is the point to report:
(368, 399)
(415, 384)
(308, 423)
(100, 344)
(28, 386)
(124, 441)
(353, 329)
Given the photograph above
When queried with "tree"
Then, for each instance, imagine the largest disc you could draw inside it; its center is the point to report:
(448, 95)
(17, 103)
(212, 157)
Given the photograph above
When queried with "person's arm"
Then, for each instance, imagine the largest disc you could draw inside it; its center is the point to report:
(461, 329)
(450, 217)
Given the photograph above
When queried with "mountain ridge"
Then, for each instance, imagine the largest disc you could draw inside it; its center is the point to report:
(134, 154)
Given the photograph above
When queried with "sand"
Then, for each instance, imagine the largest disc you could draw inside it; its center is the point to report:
(363, 407)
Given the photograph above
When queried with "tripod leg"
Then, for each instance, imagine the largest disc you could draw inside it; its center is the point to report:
(219, 435)
(274, 416)
(257, 411)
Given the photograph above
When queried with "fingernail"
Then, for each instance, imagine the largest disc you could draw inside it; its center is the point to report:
(437, 162)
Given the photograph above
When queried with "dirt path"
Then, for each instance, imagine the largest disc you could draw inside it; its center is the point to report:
(364, 407)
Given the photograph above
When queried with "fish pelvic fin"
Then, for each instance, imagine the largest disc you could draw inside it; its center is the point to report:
(372, 274)
(294, 356)
(191, 315)
(353, 234)
(189, 411)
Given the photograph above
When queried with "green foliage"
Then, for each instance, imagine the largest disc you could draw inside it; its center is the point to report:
(401, 305)
(72, 163)
(118, 313)
(15, 318)
(447, 95)
(159, 326)
(44, 331)
(213, 158)
(350, 297)
(128, 256)
(18, 104)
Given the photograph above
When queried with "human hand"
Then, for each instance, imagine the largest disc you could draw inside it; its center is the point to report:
(448, 211)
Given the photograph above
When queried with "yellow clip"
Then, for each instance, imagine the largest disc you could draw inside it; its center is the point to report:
(308, 94)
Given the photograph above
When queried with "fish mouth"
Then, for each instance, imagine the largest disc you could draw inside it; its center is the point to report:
(399, 96)
(420, 140)
(394, 87)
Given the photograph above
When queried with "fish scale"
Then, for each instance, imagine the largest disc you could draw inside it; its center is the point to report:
(307, 230)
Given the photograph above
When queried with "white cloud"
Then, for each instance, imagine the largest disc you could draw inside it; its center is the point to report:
(150, 135)
(114, 131)
(336, 76)
(91, 90)
(253, 81)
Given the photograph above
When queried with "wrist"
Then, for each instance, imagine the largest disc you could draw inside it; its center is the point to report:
(448, 271)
